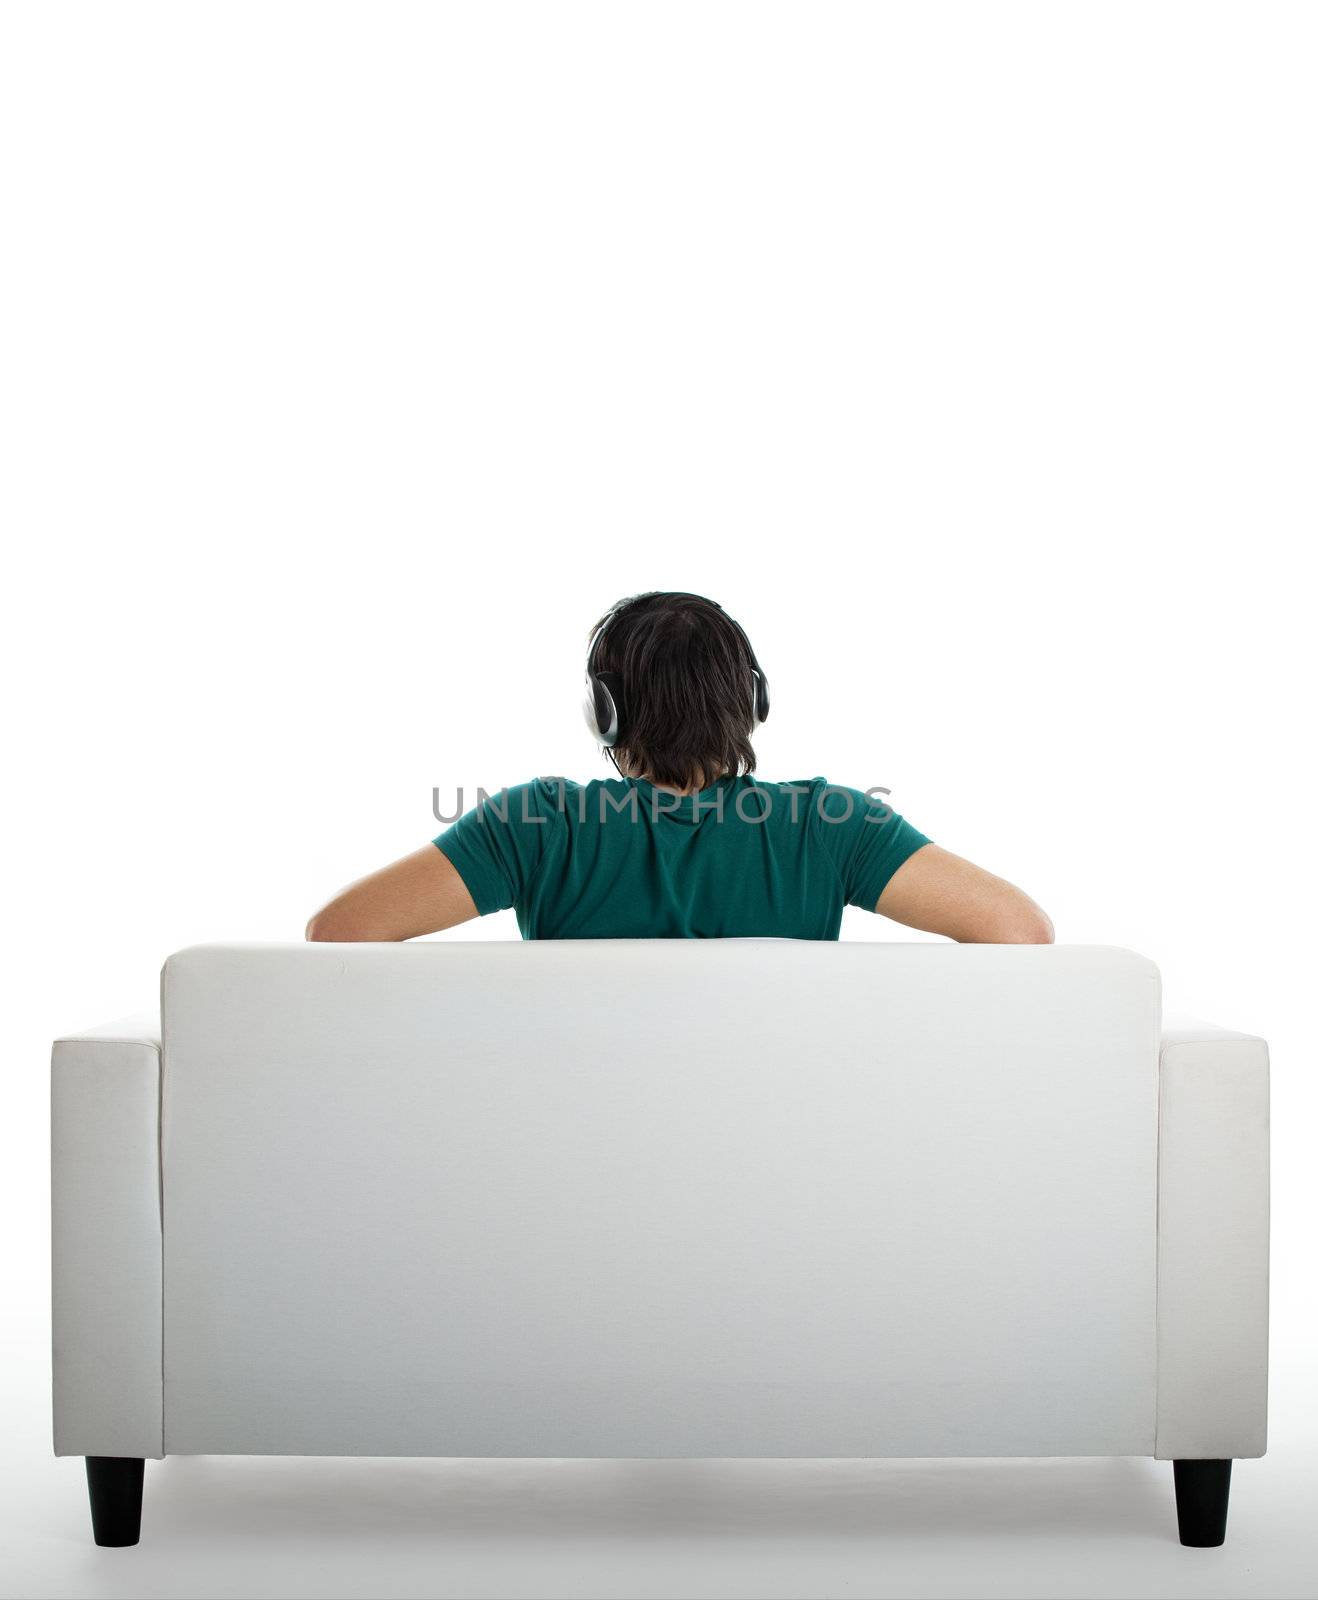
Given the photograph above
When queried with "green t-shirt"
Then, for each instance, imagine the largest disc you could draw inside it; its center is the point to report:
(619, 859)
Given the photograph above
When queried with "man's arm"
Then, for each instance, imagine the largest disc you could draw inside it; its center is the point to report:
(422, 893)
(937, 892)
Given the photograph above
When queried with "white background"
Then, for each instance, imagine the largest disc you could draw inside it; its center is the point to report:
(356, 358)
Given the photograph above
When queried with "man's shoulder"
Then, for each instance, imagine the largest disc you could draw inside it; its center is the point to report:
(813, 786)
(566, 796)
(556, 790)
(522, 802)
(786, 785)
(554, 786)
(794, 796)
(811, 799)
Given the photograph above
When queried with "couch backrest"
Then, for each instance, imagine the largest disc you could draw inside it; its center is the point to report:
(659, 1198)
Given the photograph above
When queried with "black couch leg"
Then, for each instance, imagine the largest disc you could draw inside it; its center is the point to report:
(1202, 1491)
(115, 1486)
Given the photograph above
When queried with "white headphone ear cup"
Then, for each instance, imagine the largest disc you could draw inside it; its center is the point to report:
(588, 710)
(600, 712)
(761, 697)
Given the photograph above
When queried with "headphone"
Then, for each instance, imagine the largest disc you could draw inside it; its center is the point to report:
(604, 705)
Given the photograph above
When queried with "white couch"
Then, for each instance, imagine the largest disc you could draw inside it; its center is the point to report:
(670, 1198)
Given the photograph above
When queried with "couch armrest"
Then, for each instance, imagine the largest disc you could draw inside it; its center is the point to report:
(106, 1241)
(1212, 1244)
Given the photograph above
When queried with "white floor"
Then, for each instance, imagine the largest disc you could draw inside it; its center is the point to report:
(216, 1526)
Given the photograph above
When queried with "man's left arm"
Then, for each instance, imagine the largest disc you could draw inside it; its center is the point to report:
(422, 893)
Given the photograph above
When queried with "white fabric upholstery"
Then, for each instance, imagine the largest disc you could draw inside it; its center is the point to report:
(660, 1198)
(1212, 1244)
(105, 1241)
(671, 1198)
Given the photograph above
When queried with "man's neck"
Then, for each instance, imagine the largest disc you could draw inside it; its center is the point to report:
(672, 788)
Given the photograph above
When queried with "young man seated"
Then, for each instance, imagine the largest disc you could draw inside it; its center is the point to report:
(684, 843)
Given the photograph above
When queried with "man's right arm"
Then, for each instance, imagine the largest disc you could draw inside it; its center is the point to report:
(938, 892)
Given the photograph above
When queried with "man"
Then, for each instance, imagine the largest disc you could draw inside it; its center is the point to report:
(684, 842)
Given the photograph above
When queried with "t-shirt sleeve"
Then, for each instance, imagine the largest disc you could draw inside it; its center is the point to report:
(867, 839)
(497, 846)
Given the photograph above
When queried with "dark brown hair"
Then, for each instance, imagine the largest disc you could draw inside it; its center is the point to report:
(688, 689)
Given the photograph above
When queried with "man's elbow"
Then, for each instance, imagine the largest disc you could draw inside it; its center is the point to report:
(1025, 924)
(330, 926)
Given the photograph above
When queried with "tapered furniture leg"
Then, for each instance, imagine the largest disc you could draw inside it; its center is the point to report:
(1202, 1491)
(115, 1486)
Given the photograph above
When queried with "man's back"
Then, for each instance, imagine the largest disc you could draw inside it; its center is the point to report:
(622, 859)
